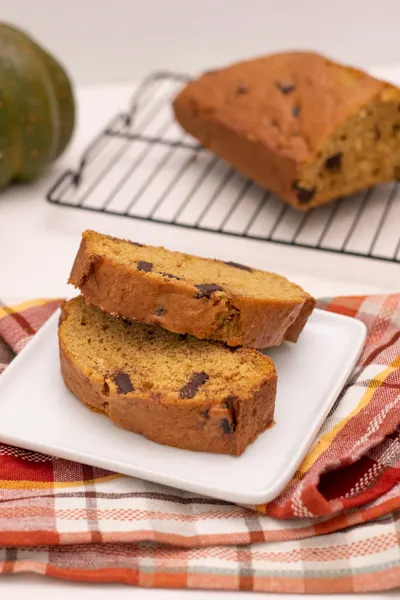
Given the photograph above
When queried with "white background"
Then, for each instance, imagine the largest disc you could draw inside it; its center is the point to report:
(119, 41)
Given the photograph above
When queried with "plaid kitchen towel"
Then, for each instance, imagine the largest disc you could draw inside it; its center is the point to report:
(335, 527)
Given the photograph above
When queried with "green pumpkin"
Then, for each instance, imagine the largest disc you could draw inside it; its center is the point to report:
(37, 111)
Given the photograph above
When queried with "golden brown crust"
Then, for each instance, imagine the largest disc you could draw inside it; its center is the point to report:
(227, 428)
(125, 291)
(292, 334)
(271, 116)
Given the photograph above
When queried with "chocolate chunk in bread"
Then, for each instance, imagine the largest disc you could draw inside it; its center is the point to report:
(226, 426)
(238, 266)
(170, 276)
(285, 88)
(334, 162)
(304, 195)
(191, 388)
(147, 267)
(123, 383)
(206, 290)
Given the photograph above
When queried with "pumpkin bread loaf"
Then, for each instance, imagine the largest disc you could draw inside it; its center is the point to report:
(302, 126)
(208, 299)
(173, 389)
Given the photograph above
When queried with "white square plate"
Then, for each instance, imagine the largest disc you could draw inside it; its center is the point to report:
(37, 412)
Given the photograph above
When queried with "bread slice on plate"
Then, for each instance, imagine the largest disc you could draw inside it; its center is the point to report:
(208, 299)
(173, 389)
(303, 126)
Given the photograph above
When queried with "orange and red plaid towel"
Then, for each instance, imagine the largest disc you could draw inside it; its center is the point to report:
(336, 528)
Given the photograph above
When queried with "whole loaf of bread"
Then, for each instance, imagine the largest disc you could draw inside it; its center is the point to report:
(304, 127)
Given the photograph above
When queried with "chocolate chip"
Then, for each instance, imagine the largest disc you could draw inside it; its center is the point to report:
(225, 426)
(160, 311)
(241, 89)
(396, 128)
(191, 388)
(170, 276)
(207, 289)
(274, 123)
(147, 267)
(228, 401)
(136, 244)
(304, 195)
(296, 111)
(205, 414)
(232, 348)
(285, 88)
(334, 162)
(123, 383)
(183, 336)
(239, 266)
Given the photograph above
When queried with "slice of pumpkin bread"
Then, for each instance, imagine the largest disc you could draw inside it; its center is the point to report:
(173, 389)
(208, 299)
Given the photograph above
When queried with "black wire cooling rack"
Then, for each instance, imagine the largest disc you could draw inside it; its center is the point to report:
(144, 167)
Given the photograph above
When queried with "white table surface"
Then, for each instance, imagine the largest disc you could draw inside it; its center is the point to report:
(38, 242)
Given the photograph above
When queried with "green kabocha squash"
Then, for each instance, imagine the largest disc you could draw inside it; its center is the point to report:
(37, 112)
